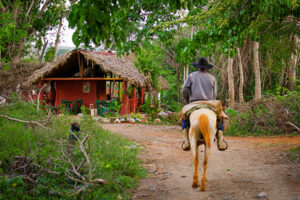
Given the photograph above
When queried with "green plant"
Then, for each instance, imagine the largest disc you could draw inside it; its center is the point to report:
(151, 107)
(294, 153)
(84, 110)
(136, 115)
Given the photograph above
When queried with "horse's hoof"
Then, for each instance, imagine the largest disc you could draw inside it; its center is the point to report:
(202, 188)
(195, 185)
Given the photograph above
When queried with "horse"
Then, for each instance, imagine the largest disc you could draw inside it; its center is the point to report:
(203, 128)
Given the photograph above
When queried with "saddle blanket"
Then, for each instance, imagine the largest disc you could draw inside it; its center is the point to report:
(214, 105)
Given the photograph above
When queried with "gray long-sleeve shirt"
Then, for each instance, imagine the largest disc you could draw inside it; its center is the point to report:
(199, 86)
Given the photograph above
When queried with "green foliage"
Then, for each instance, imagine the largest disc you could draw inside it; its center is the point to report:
(23, 24)
(151, 107)
(113, 108)
(84, 110)
(113, 157)
(49, 56)
(12, 188)
(150, 61)
(136, 115)
(294, 153)
(111, 21)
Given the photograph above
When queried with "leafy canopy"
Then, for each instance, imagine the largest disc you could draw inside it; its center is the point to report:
(219, 25)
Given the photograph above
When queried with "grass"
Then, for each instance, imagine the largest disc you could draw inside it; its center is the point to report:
(112, 157)
(294, 154)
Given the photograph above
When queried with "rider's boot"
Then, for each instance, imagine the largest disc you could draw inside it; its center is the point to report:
(186, 143)
(221, 143)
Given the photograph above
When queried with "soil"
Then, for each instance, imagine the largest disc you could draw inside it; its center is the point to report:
(249, 167)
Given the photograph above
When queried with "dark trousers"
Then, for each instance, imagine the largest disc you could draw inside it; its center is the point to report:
(185, 123)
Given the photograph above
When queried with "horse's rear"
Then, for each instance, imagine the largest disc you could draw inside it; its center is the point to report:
(202, 123)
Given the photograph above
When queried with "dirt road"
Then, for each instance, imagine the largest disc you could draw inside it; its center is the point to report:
(250, 166)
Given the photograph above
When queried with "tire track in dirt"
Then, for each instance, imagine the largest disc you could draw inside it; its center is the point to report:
(250, 166)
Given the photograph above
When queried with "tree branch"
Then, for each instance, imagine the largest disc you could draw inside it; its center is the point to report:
(293, 125)
(29, 9)
(23, 121)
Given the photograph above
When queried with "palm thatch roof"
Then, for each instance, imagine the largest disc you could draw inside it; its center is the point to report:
(12, 76)
(68, 64)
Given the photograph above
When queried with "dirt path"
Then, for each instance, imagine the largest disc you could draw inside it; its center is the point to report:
(250, 166)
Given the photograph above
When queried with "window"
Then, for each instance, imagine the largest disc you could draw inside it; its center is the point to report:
(86, 87)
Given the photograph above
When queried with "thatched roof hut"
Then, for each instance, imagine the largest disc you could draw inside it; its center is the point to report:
(107, 61)
(13, 76)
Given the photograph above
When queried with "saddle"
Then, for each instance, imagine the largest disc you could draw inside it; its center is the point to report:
(213, 105)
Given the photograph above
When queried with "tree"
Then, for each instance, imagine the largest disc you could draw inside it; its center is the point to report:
(23, 20)
(219, 28)
(256, 67)
(230, 82)
(241, 73)
(124, 23)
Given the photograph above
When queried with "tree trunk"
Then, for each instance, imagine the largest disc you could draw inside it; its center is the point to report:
(44, 49)
(19, 49)
(291, 84)
(256, 71)
(185, 73)
(57, 36)
(230, 83)
(241, 85)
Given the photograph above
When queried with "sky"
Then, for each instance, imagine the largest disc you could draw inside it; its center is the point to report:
(65, 35)
(66, 39)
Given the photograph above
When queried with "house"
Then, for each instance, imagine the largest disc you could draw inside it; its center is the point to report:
(89, 77)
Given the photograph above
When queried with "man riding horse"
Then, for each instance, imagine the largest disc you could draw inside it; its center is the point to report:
(200, 89)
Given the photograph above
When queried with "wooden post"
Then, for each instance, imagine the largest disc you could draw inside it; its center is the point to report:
(119, 91)
(133, 99)
(40, 97)
(141, 96)
(80, 65)
(125, 101)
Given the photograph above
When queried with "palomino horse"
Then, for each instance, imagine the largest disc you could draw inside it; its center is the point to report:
(203, 129)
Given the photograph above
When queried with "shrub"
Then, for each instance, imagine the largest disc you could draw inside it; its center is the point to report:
(151, 107)
(266, 117)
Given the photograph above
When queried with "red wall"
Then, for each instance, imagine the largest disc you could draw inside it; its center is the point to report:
(72, 89)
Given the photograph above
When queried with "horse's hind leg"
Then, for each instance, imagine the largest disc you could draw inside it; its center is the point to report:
(194, 147)
(205, 162)
(205, 131)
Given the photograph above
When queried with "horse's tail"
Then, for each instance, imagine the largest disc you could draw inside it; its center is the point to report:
(204, 128)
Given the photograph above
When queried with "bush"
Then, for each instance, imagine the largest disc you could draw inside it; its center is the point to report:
(292, 104)
(36, 148)
(151, 107)
(270, 116)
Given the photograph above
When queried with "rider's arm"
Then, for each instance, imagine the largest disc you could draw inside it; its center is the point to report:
(186, 89)
(215, 89)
